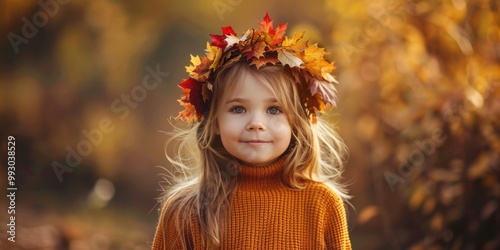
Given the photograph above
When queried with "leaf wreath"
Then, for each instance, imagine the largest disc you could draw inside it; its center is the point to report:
(307, 63)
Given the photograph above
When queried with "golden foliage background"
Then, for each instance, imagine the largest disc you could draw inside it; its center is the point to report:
(419, 109)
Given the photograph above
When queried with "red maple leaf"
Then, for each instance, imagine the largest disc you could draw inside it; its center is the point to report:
(267, 24)
(219, 40)
(228, 30)
(195, 96)
(278, 34)
(189, 83)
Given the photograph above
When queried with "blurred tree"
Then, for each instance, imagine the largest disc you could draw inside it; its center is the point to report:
(421, 81)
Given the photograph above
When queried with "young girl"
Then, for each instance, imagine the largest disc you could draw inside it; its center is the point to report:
(258, 168)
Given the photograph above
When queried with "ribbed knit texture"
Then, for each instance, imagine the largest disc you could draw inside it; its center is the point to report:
(264, 214)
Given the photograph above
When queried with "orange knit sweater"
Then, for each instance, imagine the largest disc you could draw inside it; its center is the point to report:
(264, 214)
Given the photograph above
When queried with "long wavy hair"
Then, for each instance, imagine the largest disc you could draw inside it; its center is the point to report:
(199, 190)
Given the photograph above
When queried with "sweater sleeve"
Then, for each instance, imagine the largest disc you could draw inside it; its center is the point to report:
(336, 232)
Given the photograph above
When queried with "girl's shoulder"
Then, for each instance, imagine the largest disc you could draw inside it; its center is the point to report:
(172, 209)
(323, 192)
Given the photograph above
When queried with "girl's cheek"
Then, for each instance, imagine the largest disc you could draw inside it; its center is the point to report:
(280, 123)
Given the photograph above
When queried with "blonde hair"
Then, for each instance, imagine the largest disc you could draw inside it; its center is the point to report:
(207, 174)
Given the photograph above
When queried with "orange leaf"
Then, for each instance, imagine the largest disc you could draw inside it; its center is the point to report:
(203, 69)
(292, 43)
(316, 102)
(278, 36)
(257, 50)
(189, 112)
(263, 61)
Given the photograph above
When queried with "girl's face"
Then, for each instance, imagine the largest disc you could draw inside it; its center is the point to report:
(252, 124)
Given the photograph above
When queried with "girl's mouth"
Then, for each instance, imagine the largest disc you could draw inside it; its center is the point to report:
(256, 142)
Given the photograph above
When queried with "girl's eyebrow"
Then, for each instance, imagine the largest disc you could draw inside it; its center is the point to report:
(236, 100)
(243, 100)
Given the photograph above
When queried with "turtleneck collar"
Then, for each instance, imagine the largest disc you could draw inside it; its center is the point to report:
(261, 177)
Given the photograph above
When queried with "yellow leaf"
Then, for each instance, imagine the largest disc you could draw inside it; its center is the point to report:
(202, 70)
(291, 41)
(313, 53)
(195, 61)
(214, 54)
(319, 68)
(314, 61)
(326, 69)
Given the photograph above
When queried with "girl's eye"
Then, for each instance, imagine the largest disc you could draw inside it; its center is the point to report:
(237, 109)
(274, 110)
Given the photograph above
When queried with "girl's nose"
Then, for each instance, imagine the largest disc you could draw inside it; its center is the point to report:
(256, 123)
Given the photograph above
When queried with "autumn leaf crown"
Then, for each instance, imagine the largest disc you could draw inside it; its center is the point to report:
(307, 65)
